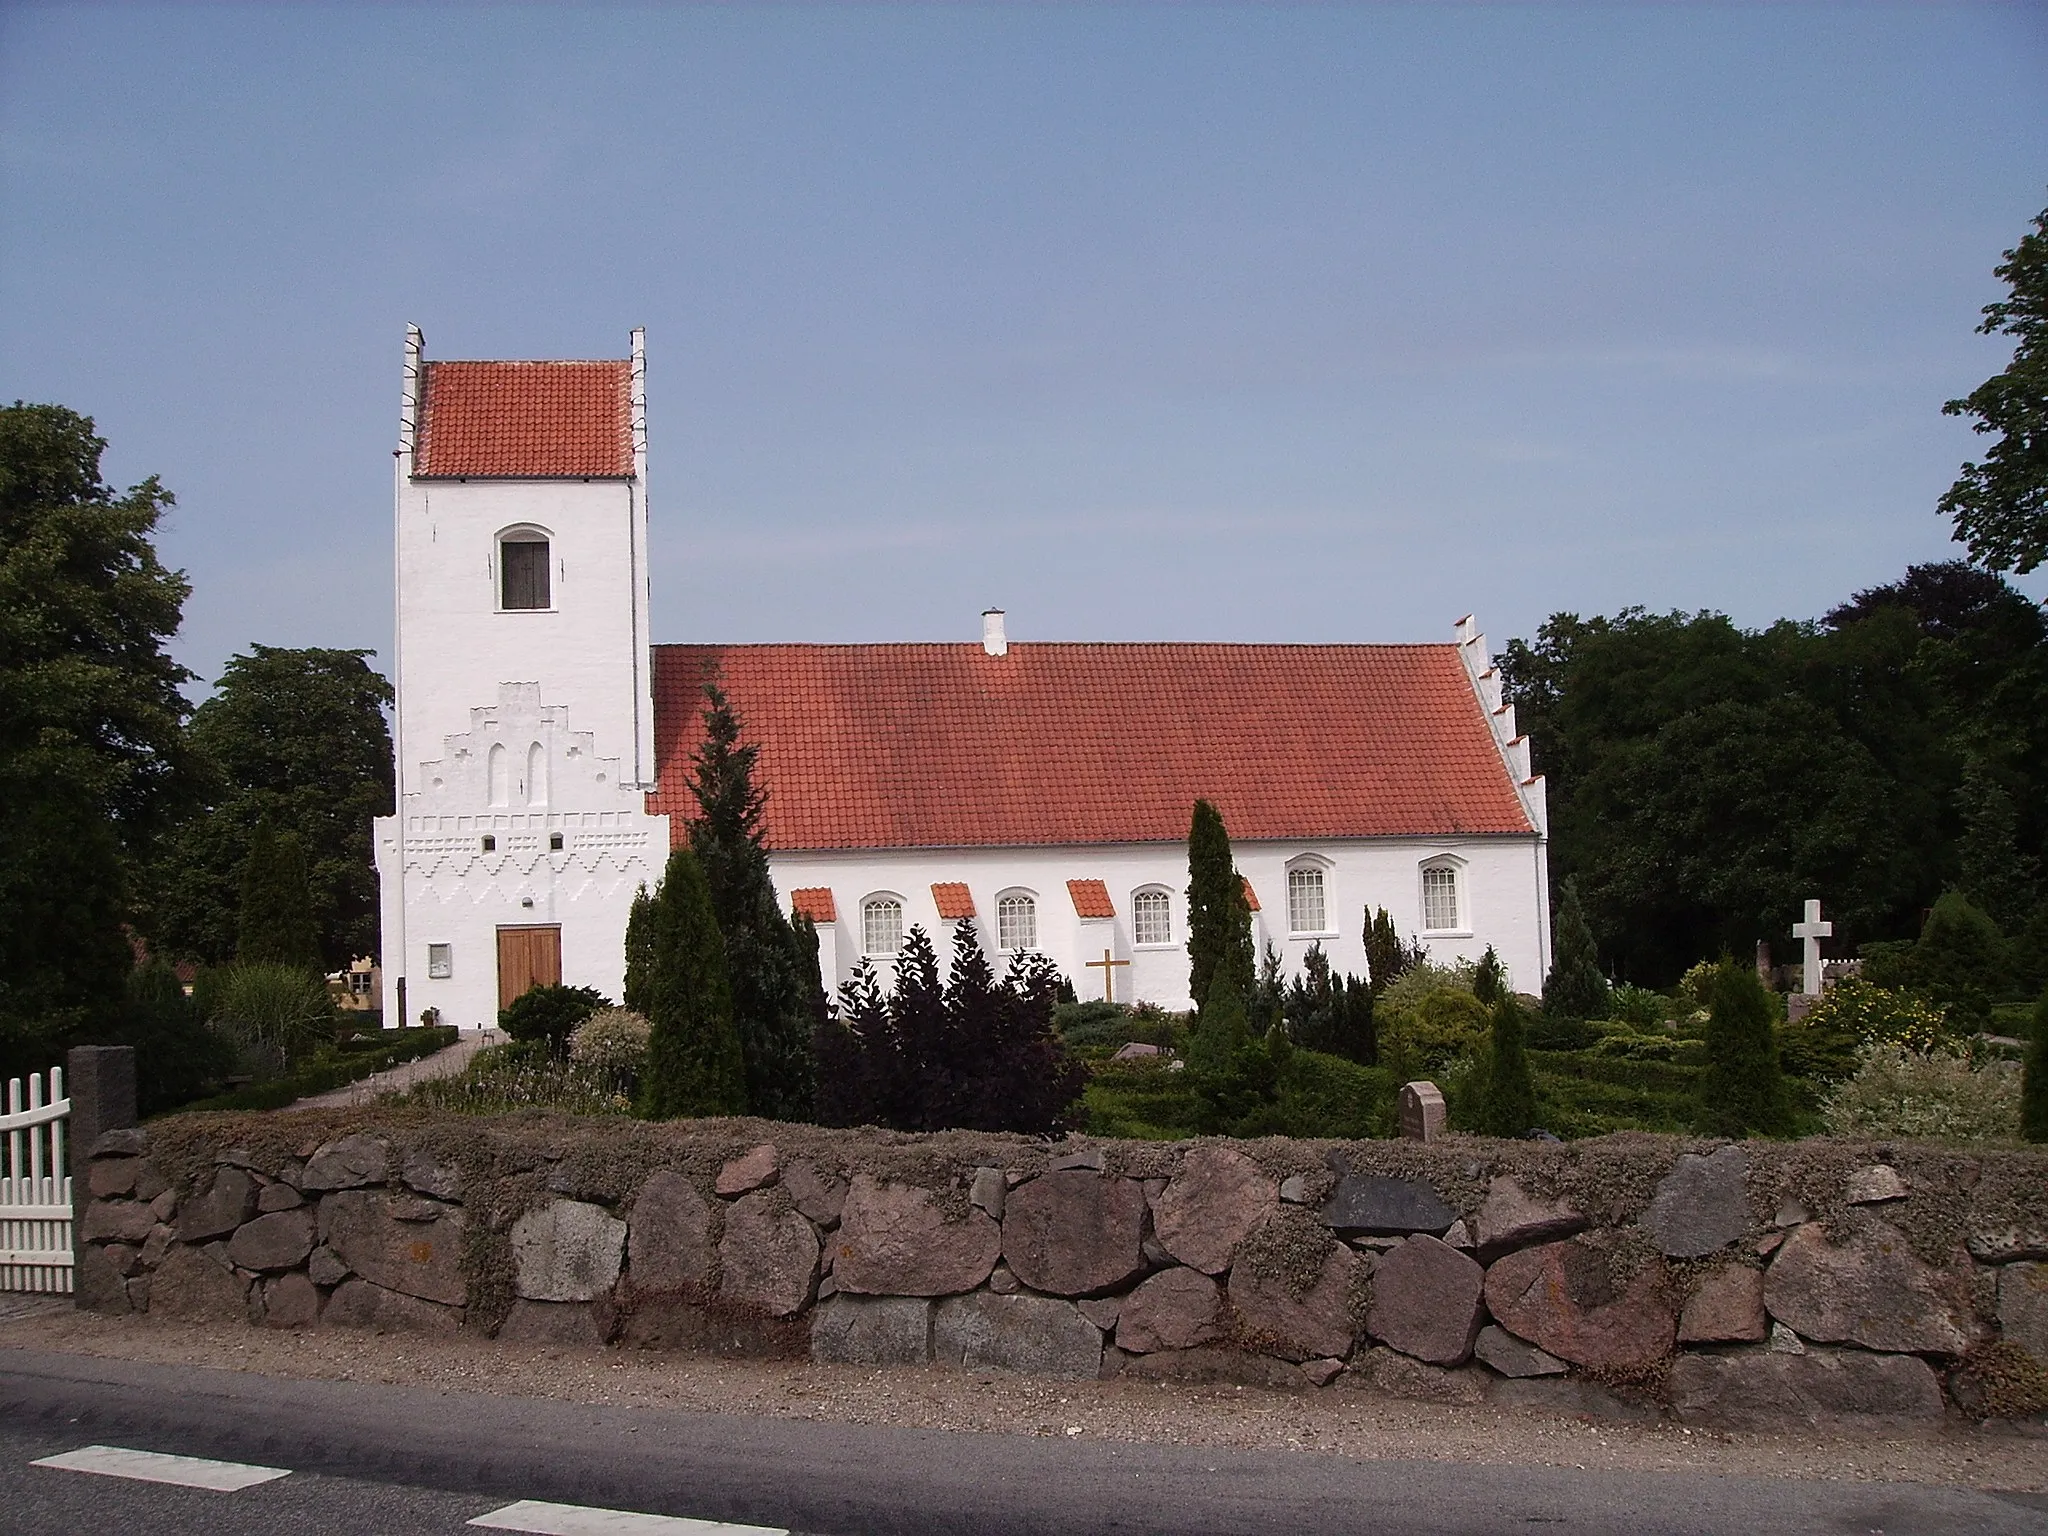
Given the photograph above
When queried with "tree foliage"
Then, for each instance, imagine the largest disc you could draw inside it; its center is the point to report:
(1742, 1091)
(2000, 506)
(1705, 780)
(1219, 916)
(295, 738)
(694, 1065)
(93, 765)
(774, 996)
(275, 922)
(973, 1053)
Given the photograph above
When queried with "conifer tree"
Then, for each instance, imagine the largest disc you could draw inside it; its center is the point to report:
(773, 1006)
(694, 1066)
(276, 924)
(1387, 958)
(639, 950)
(1574, 989)
(1510, 1104)
(2034, 1079)
(1219, 916)
(1489, 982)
(1742, 1091)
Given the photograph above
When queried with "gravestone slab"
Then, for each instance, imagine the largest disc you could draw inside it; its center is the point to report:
(1422, 1111)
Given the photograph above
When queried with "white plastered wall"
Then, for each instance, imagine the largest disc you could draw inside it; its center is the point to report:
(1499, 881)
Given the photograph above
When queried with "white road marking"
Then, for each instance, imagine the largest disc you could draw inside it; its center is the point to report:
(155, 1467)
(577, 1520)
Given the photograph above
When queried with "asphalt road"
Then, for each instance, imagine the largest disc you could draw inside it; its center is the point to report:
(397, 1460)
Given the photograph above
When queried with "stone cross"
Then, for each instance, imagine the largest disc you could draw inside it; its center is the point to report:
(1813, 930)
(1422, 1111)
(1108, 968)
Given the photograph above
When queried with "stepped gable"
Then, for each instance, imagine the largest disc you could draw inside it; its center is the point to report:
(946, 746)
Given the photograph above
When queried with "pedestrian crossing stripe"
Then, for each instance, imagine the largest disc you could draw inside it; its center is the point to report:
(578, 1520)
(155, 1467)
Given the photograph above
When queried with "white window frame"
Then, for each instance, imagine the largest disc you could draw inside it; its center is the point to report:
(522, 533)
(1461, 895)
(1008, 905)
(1141, 899)
(1310, 864)
(870, 907)
(440, 962)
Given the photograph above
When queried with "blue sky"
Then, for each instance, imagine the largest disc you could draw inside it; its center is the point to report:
(1290, 323)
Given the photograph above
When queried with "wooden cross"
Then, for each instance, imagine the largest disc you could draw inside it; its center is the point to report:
(1108, 968)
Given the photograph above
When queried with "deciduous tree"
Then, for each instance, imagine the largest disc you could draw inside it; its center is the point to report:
(93, 765)
(2000, 506)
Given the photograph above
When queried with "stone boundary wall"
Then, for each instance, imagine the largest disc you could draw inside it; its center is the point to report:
(1730, 1285)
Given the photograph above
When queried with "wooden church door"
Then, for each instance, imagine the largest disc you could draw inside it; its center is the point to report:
(527, 958)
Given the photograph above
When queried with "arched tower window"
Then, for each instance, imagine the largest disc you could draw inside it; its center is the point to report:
(524, 570)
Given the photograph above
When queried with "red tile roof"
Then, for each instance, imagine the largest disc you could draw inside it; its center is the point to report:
(1091, 898)
(814, 902)
(525, 420)
(1251, 897)
(954, 899)
(945, 746)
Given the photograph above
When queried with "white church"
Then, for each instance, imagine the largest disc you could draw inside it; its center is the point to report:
(543, 750)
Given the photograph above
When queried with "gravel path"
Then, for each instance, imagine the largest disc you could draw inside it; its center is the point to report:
(1332, 1422)
(443, 1063)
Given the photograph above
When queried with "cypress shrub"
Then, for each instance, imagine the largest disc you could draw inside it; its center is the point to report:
(639, 950)
(2034, 1079)
(1742, 1091)
(1574, 989)
(1219, 917)
(1509, 1108)
(773, 1003)
(276, 924)
(694, 1066)
(1960, 961)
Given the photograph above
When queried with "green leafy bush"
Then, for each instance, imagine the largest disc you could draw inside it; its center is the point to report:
(550, 1014)
(1638, 1006)
(1429, 1019)
(610, 1047)
(1933, 1096)
(1824, 1047)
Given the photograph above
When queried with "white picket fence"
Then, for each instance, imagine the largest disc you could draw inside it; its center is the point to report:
(35, 1189)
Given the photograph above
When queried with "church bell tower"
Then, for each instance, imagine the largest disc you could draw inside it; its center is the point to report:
(525, 724)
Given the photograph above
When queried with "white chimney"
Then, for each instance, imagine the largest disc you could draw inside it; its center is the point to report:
(993, 640)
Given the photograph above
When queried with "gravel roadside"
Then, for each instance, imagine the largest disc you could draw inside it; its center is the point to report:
(1330, 1422)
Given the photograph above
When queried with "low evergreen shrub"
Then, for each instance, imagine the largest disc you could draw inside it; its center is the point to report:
(1933, 1096)
(550, 1014)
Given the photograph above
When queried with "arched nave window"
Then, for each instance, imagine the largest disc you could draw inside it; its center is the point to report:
(1443, 897)
(1308, 906)
(881, 927)
(1016, 922)
(1151, 917)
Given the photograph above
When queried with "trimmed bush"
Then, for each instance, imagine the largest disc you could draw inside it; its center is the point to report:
(550, 1014)
(1508, 1107)
(611, 1048)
